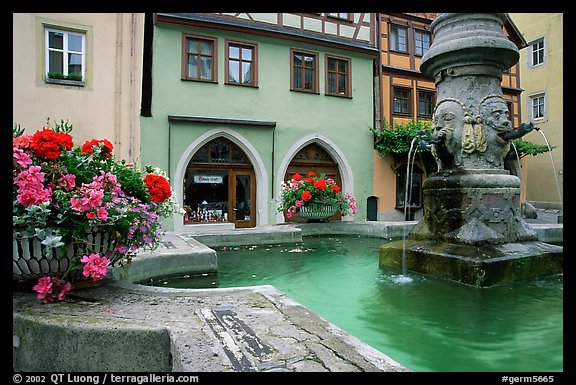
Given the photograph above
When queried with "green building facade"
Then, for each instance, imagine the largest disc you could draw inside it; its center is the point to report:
(237, 104)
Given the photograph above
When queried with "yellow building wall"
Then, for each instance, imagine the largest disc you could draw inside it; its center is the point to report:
(108, 106)
(545, 176)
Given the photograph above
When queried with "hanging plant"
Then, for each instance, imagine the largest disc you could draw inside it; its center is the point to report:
(397, 139)
(527, 148)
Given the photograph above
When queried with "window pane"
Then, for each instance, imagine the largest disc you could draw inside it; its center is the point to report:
(206, 47)
(246, 54)
(332, 82)
(309, 61)
(220, 152)
(206, 68)
(74, 63)
(234, 71)
(398, 38)
(201, 155)
(75, 43)
(246, 73)
(56, 40)
(342, 84)
(342, 67)
(193, 66)
(297, 77)
(237, 155)
(393, 38)
(541, 56)
(297, 60)
(55, 62)
(233, 52)
(192, 46)
(331, 65)
(309, 79)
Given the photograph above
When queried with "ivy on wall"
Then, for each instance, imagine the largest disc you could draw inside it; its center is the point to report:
(396, 140)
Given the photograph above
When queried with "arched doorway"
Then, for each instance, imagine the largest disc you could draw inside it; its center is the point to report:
(220, 185)
(314, 158)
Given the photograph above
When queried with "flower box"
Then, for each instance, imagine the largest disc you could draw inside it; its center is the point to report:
(315, 197)
(78, 209)
(316, 212)
(32, 260)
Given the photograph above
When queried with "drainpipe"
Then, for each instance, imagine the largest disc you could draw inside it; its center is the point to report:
(273, 155)
(380, 116)
(132, 114)
(118, 85)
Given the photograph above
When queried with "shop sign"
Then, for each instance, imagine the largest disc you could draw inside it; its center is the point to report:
(208, 179)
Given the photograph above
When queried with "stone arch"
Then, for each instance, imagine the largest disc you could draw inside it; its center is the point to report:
(249, 150)
(332, 149)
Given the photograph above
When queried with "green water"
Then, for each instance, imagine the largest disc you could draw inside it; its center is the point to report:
(424, 323)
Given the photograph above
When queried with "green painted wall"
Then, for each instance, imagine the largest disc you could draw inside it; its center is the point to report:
(345, 121)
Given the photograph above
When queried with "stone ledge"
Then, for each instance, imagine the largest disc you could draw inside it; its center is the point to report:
(126, 327)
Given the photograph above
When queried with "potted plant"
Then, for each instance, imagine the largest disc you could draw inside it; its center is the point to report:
(314, 197)
(78, 210)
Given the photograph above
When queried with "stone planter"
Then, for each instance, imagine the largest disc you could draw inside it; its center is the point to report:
(316, 212)
(32, 260)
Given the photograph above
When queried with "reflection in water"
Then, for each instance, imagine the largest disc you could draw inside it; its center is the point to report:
(424, 323)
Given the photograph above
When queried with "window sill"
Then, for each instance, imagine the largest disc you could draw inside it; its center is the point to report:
(339, 95)
(305, 91)
(200, 80)
(64, 82)
(241, 85)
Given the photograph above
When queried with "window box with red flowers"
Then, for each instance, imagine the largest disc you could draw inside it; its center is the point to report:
(314, 197)
(78, 210)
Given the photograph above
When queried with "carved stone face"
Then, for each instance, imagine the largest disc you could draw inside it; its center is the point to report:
(447, 124)
(447, 118)
(495, 115)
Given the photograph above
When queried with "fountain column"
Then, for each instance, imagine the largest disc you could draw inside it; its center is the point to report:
(471, 231)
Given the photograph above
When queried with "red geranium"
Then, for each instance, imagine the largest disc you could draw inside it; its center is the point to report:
(311, 174)
(320, 184)
(49, 144)
(107, 147)
(306, 196)
(297, 177)
(158, 187)
(335, 188)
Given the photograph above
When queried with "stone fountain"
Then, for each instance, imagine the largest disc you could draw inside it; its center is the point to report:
(471, 231)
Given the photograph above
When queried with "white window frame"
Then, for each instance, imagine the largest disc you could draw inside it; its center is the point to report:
(64, 51)
(531, 52)
(532, 98)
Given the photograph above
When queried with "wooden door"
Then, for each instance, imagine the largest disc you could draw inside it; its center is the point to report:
(242, 198)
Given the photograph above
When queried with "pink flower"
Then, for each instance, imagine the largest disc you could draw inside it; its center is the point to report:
(90, 197)
(63, 288)
(50, 289)
(299, 203)
(22, 158)
(43, 287)
(68, 182)
(94, 266)
(23, 141)
(90, 215)
(102, 213)
(31, 189)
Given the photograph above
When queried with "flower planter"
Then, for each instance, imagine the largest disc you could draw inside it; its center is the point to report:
(316, 212)
(32, 260)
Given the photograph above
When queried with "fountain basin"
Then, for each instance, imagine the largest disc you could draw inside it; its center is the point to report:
(479, 266)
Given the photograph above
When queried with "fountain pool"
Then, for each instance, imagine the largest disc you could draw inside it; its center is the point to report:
(425, 323)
